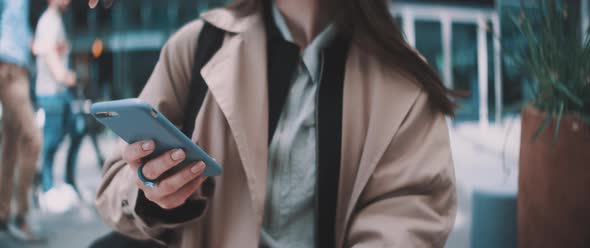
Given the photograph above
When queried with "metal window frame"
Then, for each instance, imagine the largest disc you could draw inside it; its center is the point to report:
(447, 15)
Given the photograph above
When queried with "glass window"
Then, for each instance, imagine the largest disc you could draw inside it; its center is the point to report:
(141, 68)
(131, 71)
(129, 14)
(429, 42)
(104, 18)
(188, 11)
(76, 18)
(465, 69)
(399, 21)
(156, 15)
(36, 8)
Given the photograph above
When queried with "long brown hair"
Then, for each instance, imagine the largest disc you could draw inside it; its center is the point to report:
(376, 31)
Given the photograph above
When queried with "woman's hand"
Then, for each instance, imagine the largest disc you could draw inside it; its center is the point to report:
(172, 191)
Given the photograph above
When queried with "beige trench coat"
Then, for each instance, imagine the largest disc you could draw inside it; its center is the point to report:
(396, 188)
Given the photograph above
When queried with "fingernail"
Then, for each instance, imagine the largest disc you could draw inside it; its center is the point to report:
(177, 155)
(197, 168)
(148, 145)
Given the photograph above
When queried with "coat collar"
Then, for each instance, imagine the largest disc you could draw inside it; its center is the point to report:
(237, 79)
(232, 20)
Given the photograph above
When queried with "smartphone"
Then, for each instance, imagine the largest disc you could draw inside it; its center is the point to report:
(134, 120)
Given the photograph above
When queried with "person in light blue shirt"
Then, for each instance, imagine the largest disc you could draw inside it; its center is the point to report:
(21, 139)
(15, 33)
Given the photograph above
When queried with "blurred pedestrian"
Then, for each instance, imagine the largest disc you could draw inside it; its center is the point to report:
(55, 95)
(21, 139)
(76, 129)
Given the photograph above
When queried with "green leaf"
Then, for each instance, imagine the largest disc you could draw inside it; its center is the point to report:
(542, 128)
(556, 57)
(568, 93)
(559, 115)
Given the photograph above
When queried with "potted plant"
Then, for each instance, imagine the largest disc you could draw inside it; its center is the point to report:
(554, 166)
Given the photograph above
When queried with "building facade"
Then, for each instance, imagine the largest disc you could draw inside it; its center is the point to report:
(458, 39)
(469, 42)
(474, 44)
(116, 43)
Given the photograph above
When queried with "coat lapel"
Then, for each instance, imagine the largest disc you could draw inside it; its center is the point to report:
(376, 101)
(237, 79)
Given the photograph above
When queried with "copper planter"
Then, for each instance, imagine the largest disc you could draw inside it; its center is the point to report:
(554, 183)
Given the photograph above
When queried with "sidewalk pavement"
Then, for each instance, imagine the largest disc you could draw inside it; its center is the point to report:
(484, 159)
(478, 164)
(79, 226)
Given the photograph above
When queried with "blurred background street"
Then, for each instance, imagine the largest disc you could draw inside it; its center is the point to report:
(79, 226)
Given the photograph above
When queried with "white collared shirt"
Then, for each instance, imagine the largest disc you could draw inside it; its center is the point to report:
(290, 211)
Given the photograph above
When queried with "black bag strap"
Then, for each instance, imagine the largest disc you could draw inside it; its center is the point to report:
(210, 40)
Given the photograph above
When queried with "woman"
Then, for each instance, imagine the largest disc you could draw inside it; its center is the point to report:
(329, 127)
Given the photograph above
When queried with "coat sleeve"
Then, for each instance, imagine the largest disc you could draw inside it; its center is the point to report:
(410, 199)
(120, 202)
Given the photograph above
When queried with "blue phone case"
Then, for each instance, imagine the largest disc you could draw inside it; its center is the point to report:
(134, 120)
